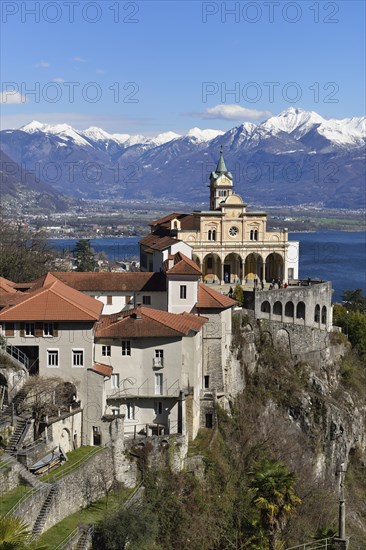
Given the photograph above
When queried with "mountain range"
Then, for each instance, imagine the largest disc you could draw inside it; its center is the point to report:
(296, 157)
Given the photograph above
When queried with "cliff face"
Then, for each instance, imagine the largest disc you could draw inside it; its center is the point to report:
(309, 390)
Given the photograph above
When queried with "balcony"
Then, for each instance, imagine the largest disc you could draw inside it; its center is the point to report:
(148, 389)
(158, 362)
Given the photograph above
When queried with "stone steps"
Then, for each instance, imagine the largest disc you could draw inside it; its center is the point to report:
(43, 514)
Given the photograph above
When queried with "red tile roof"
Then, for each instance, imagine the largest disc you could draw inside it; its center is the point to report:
(105, 370)
(182, 266)
(211, 299)
(142, 322)
(109, 282)
(6, 286)
(158, 242)
(53, 302)
(187, 221)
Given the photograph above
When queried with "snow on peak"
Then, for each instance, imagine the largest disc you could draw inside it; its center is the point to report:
(33, 126)
(293, 119)
(204, 135)
(96, 134)
(165, 137)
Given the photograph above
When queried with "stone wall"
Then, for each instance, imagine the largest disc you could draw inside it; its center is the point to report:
(9, 476)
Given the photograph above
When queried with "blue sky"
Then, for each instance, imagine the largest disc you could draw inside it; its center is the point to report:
(153, 66)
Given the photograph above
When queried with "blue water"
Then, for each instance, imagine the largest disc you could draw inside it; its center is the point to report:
(337, 256)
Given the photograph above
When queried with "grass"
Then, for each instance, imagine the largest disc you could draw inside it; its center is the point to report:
(75, 459)
(202, 442)
(54, 536)
(10, 498)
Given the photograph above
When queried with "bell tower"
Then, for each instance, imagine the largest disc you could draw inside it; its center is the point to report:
(221, 184)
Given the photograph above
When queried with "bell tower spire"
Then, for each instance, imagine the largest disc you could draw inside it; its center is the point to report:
(221, 183)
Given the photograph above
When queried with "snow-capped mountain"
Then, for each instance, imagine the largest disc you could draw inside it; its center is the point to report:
(298, 157)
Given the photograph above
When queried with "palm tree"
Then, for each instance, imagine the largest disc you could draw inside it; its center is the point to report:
(14, 535)
(274, 496)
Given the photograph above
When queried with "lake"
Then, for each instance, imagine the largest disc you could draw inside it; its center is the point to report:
(338, 256)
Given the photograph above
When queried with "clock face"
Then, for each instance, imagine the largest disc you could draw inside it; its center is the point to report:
(233, 231)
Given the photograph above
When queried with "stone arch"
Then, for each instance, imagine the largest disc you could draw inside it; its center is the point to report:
(283, 338)
(300, 311)
(317, 314)
(212, 268)
(324, 315)
(197, 260)
(233, 268)
(266, 338)
(289, 309)
(277, 308)
(274, 267)
(266, 307)
(65, 440)
(253, 266)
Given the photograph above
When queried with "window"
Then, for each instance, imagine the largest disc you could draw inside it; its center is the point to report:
(115, 381)
(146, 300)
(158, 407)
(77, 357)
(159, 358)
(209, 235)
(212, 234)
(158, 384)
(130, 410)
(126, 347)
(115, 411)
(183, 292)
(9, 329)
(29, 329)
(106, 351)
(47, 329)
(143, 258)
(109, 300)
(52, 358)
(206, 381)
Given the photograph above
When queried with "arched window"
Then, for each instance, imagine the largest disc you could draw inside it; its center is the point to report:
(289, 309)
(256, 235)
(300, 310)
(209, 235)
(214, 234)
(265, 307)
(277, 308)
(175, 225)
(251, 234)
(317, 314)
(324, 315)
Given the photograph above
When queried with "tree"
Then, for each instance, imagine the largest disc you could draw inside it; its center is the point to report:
(24, 255)
(238, 295)
(14, 535)
(84, 256)
(45, 397)
(134, 528)
(274, 497)
(354, 300)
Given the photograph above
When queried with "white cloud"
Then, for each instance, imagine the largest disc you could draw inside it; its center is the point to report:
(78, 59)
(42, 64)
(59, 79)
(232, 112)
(12, 98)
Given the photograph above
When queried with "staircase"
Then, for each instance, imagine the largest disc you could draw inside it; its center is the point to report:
(43, 514)
(16, 355)
(17, 401)
(85, 539)
(17, 436)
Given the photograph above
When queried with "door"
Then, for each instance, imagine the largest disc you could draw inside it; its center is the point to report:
(158, 384)
(227, 273)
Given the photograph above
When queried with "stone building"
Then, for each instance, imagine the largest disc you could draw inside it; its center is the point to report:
(229, 243)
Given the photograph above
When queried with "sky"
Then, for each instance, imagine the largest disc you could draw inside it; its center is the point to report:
(155, 66)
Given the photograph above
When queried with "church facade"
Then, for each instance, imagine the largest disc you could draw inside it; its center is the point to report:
(229, 243)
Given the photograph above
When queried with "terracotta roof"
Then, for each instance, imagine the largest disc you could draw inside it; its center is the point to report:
(142, 322)
(6, 286)
(182, 266)
(158, 242)
(110, 282)
(105, 370)
(211, 299)
(53, 302)
(166, 219)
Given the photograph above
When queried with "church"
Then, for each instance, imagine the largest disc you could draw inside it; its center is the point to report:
(230, 244)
